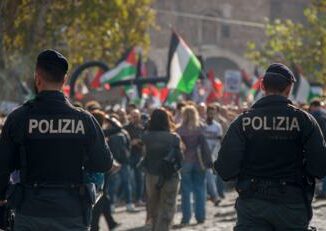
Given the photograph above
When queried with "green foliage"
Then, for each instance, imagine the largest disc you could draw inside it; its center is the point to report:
(82, 30)
(291, 42)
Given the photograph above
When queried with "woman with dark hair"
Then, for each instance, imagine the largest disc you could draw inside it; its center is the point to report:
(162, 152)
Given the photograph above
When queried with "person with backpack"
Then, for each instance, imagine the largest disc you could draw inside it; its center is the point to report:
(101, 180)
(119, 142)
(162, 161)
(319, 113)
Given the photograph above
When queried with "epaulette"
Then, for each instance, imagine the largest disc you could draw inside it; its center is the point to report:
(79, 109)
(293, 106)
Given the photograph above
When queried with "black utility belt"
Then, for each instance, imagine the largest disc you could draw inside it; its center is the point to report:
(282, 190)
(53, 186)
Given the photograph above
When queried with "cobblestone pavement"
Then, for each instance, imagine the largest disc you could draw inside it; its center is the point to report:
(218, 218)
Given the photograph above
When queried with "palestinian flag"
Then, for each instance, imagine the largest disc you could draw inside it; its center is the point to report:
(183, 66)
(96, 80)
(301, 90)
(316, 91)
(255, 92)
(125, 69)
(173, 96)
(246, 78)
(164, 93)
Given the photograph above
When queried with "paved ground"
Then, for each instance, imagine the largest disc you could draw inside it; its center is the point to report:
(218, 218)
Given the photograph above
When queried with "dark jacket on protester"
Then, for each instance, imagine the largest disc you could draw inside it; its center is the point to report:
(157, 145)
(119, 143)
(320, 116)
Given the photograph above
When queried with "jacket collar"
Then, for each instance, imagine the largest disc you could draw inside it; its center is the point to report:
(271, 100)
(56, 95)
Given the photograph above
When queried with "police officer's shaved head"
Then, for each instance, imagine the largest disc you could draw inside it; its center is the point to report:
(277, 78)
(52, 65)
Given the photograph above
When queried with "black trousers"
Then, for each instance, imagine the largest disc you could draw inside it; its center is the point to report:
(31, 223)
(102, 207)
(261, 215)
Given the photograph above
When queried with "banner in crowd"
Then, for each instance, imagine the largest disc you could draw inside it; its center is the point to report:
(232, 81)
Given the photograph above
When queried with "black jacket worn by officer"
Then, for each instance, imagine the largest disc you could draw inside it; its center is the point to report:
(52, 144)
(270, 150)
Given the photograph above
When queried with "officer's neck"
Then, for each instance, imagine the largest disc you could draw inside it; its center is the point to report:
(53, 87)
(284, 94)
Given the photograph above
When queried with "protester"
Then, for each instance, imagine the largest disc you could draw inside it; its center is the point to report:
(320, 115)
(162, 189)
(93, 105)
(123, 118)
(103, 205)
(136, 131)
(177, 114)
(202, 108)
(120, 144)
(213, 132)
(192, 173)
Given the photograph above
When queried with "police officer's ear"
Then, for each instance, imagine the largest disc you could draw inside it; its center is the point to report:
(37, 78)
(262, 86)
(287, 90)
(65, 79)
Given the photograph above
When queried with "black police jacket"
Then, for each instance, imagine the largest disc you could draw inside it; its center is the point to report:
(272, 140)
(58, 139)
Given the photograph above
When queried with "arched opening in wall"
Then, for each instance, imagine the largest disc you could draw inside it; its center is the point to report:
(220, 65)
(151, 68)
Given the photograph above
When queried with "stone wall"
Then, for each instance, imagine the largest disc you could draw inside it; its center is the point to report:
(217, 39)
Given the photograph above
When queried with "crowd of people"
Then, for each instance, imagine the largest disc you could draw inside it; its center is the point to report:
(62, 168)
(141, 138)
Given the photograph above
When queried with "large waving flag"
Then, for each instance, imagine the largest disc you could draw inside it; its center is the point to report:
(301, 88)
(125, 69)
(183, 66)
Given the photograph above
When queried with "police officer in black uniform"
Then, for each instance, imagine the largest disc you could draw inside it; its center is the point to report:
(274, 151)
(55, 146)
